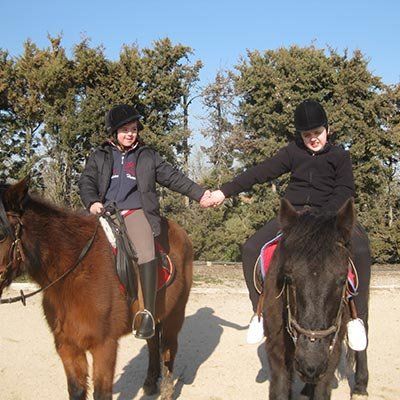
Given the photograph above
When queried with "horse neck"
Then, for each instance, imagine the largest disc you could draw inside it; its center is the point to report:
(52, 239)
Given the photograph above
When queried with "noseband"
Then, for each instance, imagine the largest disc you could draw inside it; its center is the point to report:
(295, 329)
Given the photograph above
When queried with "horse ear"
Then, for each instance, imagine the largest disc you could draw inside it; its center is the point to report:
(346, 219)
(287, 214)
(15, 195)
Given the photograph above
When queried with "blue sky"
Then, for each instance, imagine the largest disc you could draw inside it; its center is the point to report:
(219, 31)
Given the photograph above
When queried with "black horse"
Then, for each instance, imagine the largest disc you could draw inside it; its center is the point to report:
(305, 305)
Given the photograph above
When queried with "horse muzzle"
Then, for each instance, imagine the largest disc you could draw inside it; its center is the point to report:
(311, 359)
(310, 373)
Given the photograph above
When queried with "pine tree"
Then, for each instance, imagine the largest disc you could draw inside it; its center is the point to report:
(22, 113)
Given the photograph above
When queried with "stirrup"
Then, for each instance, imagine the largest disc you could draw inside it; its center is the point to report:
(149, 334)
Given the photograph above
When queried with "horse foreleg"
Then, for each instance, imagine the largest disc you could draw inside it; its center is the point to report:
(308, 390)
(281, 371)
(361, 376)
(361, 368)
(76, 369)
(169, 345)
(104, 358)
(153, 371)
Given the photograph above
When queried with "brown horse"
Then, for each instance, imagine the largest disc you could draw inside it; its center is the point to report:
(85, 309)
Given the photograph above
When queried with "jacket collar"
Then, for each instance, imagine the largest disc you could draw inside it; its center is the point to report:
(108, 145)
(117, 148)
(325, 149)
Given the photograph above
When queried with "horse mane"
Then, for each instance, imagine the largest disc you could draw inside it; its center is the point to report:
(43, 208)
(46, 207)
(313, 235)
(54, 227)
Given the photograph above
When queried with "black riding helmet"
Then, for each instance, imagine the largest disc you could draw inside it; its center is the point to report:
(120, 115)
(309, 115)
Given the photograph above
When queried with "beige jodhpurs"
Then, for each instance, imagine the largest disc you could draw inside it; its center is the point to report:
(141, 235)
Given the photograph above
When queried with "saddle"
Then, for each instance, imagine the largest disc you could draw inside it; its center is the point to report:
(125, 258)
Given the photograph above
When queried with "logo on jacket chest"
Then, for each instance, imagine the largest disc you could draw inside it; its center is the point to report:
(129, 169)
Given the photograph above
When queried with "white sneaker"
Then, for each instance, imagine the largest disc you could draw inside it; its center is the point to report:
(255, 332)
(356, 335)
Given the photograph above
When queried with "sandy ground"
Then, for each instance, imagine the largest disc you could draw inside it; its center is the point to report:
(213, 361)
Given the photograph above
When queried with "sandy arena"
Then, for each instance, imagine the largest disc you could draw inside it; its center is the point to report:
(213, 362)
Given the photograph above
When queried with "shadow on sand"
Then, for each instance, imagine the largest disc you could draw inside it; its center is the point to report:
(198, 339)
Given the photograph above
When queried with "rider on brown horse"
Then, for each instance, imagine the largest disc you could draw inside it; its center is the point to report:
(124, 171)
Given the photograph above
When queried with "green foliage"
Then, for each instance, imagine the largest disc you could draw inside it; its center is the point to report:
(216, 233)
(21, 111)
(218, 100)
(53, 106)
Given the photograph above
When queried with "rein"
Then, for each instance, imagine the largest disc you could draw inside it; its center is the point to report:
(294, 328)
(16, 255)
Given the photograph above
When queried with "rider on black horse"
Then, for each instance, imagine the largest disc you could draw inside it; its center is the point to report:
(321, 177)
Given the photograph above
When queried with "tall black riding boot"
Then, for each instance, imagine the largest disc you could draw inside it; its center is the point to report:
(148, 280)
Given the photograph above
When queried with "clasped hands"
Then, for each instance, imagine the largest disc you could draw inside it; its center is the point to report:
(209, 199)
(212, 199)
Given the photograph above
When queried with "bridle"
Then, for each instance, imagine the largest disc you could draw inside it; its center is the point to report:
(16, 256)
(15, 252)
(295, 329)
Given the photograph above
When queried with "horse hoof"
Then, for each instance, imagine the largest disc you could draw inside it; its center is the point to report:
(167, 387)
(356, 396)
(150, 388)
(166, 396)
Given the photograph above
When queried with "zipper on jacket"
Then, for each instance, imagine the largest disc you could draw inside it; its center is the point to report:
(310, 178)
(121, 170)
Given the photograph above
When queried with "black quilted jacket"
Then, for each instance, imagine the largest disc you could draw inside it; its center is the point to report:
(150, 168)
